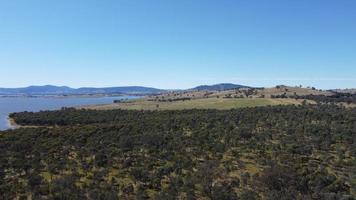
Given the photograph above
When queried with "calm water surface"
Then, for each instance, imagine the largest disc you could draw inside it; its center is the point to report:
(19, 104)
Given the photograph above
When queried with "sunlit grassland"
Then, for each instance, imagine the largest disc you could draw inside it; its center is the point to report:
(204, 103)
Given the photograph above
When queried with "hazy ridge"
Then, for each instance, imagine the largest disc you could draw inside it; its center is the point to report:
(62, 90)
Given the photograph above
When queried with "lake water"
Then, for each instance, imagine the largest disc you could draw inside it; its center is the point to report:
(19, 104)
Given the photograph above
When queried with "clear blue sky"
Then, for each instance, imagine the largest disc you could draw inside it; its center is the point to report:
(178, 43)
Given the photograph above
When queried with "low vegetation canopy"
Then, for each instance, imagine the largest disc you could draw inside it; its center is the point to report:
(272, 152)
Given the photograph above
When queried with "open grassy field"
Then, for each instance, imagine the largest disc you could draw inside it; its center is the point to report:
(206, 103)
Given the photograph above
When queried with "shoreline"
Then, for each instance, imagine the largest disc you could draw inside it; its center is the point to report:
(12, 124)
(72, 96)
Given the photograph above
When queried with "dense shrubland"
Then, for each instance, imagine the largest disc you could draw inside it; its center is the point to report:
(335, 98)
(331, 99)
(280, 152)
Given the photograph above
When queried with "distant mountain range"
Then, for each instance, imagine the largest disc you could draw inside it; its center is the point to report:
(133, 90)
(64, 90)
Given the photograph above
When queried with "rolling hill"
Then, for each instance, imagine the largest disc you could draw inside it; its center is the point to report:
(218, 87)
